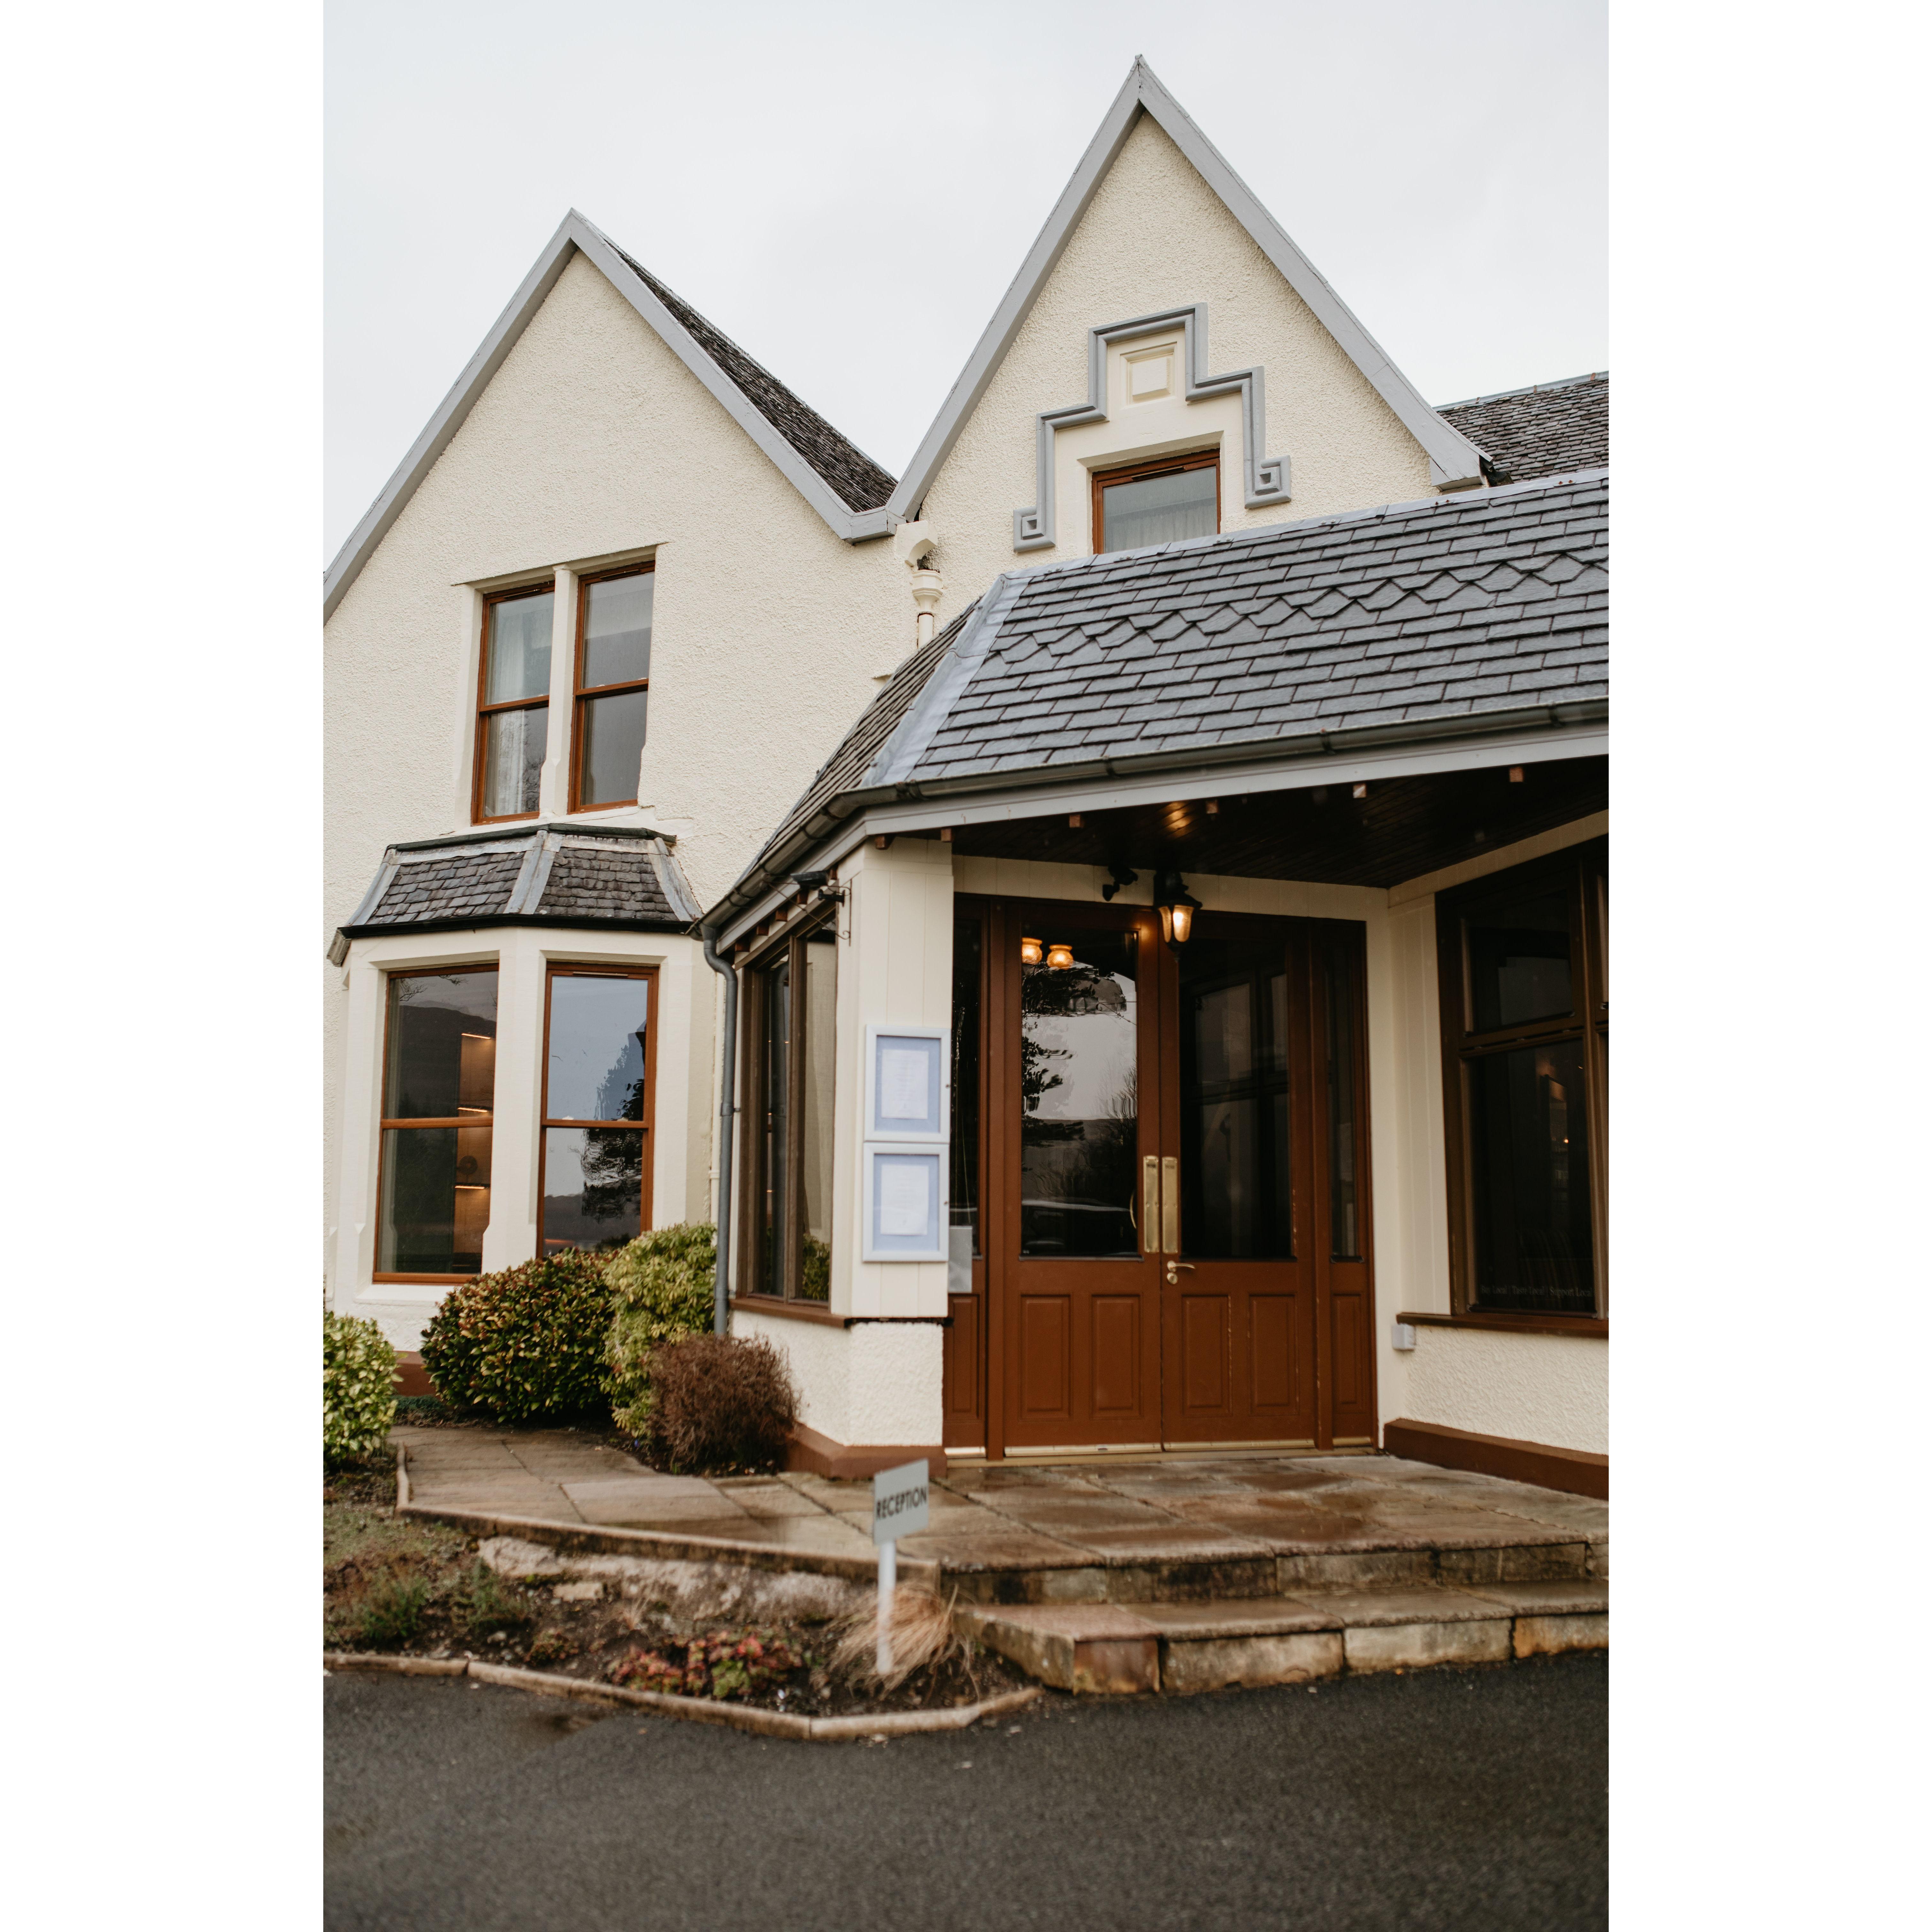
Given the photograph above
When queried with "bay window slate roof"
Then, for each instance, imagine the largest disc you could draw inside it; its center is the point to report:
(859, 482)
(538, 875)
(1552, 429)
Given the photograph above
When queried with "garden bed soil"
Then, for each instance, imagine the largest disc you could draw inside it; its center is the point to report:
(412, 1587)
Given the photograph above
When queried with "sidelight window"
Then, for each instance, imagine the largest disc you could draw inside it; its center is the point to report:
(791, 1007)
(598, 1075)
(513, 706)
(439, 1090)
(613, 686)
(1525, 1021)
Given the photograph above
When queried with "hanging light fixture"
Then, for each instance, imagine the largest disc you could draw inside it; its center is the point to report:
(1031, 953)
(1060, 956)
(1177, 907)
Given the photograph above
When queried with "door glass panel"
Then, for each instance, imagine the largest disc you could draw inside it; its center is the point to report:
(596, 1061)
(593, 1187)
(1160, 509)
(1079, 1105)
(1532, 1190)
(964, 1213)
(519, 648)
(617, 631)
(1520, 962)
(513, 756)
(1345, 1233)
(821, 1006)
(613, 742)
(1236, 1201)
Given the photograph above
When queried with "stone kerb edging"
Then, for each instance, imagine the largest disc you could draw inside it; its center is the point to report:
(606, 1539)
(695, 1710)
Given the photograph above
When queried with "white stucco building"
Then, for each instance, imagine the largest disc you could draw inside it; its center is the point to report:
(1131, 893)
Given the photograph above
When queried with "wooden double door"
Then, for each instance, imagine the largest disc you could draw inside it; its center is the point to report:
(1173, 1229)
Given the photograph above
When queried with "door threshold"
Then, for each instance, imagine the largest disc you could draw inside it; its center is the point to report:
(1125, 1452)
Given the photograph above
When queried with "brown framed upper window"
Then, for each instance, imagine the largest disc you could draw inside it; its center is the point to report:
(613, 686)
(1155, 503)
(439, 1098)
(600, 1077)
(790, 1005)
(513, 703)
(1525, 1041)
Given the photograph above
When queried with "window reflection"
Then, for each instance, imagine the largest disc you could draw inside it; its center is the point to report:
(595, 1068)
(1530, 1159)
(1237, 1199)
(1520, 962)
(1079, 1104)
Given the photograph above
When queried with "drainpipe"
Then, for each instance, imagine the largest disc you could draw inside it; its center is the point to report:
(726, 1110)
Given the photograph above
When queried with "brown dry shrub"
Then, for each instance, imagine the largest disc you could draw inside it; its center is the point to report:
(718, 1404)
(923, 1636)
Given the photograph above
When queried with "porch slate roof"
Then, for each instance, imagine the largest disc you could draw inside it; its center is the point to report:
(1550, 429)
(1488, 605)
(542, 875)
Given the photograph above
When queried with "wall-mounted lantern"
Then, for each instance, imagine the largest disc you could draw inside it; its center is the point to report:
(1177, 907)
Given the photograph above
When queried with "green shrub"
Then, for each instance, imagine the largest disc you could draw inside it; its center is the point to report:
(661, 1285)
(393, 1612)
(525, 1344)
(358, 1387)
(719, 1404)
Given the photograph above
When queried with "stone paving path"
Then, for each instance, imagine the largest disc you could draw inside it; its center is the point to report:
(1194, 1510)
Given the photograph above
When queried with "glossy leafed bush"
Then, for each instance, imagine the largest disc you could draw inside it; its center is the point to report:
(358, 1387)
(719, 1405)
(661, 1286)
(525, 1344)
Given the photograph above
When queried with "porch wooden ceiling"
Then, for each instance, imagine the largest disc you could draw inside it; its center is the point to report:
(1403, 828)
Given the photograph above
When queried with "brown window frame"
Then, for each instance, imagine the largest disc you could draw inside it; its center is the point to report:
(583, 695)
(385, 1124)
(1158, 466)
(558, 969)
(790, 951)
(1582, 872)
(485, 709)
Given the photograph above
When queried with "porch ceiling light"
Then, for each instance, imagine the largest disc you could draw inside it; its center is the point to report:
(1177, 907)
(1060, 956)
(1031, 953)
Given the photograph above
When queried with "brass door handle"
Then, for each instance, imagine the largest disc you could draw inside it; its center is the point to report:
(1175, 1270)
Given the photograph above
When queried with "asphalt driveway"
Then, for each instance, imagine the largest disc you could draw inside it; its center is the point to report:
(1436, 1801)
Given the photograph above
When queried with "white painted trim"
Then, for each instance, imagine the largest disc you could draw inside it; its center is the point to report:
(576, 236)
(1454, 462)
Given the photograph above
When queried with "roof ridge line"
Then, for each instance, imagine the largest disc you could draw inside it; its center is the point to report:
(1528, 389)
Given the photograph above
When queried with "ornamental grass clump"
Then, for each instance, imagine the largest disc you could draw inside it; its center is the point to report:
(661, 1286)
(719, 1406)
(358, 1388)
(525, 1344)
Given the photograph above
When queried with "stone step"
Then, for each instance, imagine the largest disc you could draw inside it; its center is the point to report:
(1117, 1647)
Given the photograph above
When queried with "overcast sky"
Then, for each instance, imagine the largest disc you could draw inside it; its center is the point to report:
(848, 189)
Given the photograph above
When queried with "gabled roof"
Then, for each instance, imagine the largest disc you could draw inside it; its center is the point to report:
(1470, 613)
(1547, 430)
(1453, 459)
(833, 475)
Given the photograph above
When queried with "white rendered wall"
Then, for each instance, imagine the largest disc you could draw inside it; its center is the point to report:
(875, 1385)
(594, 443)
(1156, 237)
(679, 1148)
